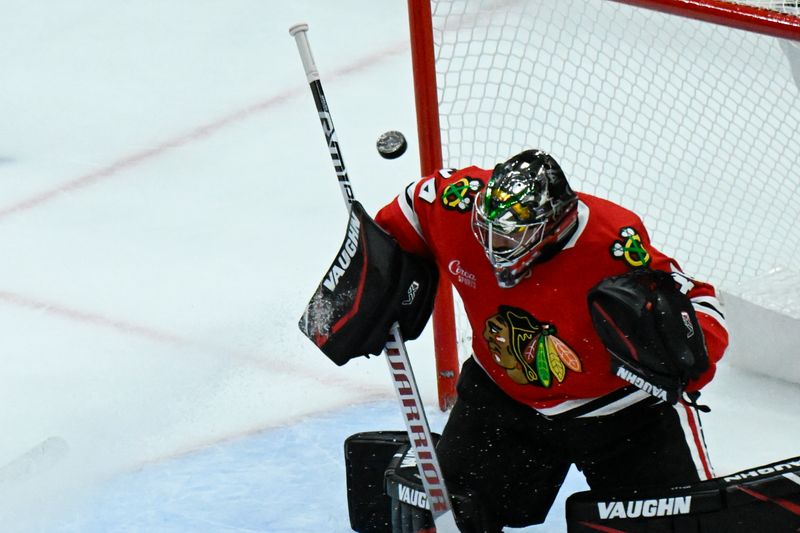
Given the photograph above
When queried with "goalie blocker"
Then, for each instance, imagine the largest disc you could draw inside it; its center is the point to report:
(370, 285)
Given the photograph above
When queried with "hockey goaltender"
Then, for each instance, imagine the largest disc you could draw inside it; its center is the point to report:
(590, 347)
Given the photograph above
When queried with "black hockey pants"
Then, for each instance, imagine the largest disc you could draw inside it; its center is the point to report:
(516, 459)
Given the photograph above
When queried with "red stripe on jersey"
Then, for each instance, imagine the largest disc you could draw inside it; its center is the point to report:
(392, 219)
(698, 440)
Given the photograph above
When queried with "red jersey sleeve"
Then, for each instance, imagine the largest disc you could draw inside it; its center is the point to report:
(401, 221)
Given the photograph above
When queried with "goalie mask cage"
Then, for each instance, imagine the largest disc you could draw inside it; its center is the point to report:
(685, 111)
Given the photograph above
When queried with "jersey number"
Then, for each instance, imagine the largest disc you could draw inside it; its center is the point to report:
(428, 191)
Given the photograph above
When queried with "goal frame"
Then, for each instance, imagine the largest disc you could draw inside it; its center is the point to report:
(738, 16)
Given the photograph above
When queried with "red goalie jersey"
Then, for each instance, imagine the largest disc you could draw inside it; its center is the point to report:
(536, 340)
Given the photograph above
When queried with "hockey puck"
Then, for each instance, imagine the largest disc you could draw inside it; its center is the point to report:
(391, 144)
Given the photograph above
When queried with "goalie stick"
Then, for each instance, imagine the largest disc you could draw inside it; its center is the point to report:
(403, 379)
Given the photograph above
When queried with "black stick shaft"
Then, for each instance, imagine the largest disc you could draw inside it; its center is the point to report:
(405, 384)
(298, 31)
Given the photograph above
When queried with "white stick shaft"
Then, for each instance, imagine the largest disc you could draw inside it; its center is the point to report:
(405, 384)
(419, 432)
(299, 32)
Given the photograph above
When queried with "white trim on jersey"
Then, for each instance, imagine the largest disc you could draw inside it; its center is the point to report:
(564, 407)
(694, 440)
(568, 405)
(619, 405)
(608, 409)
(710, 306)
(583, 221)
(406, 202)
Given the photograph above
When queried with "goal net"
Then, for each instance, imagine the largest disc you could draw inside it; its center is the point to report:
(692, 124)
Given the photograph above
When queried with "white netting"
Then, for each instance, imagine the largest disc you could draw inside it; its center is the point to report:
(791, 7)
(693, 125)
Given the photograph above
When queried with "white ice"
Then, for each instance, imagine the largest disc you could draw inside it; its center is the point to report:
(167, 206)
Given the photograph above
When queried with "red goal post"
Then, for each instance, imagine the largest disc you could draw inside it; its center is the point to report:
(775, 18)
(684, 110)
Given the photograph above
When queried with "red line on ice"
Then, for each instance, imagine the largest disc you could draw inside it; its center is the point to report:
(91, 318)
(132, 160)
(281, 366)
(200, 132)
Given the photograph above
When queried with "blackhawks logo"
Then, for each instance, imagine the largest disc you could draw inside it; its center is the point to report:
(527, 349)
(630, 248)
(460, 194)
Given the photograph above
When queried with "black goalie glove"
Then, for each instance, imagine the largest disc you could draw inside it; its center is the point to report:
(651, 331)
(371, 284)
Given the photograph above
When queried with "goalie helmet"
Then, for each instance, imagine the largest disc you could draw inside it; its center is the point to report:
(526, 207)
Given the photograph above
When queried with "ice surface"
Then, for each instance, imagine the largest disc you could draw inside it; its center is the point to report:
(167, 207)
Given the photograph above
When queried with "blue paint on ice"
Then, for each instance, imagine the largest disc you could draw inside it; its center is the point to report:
(290, 479)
